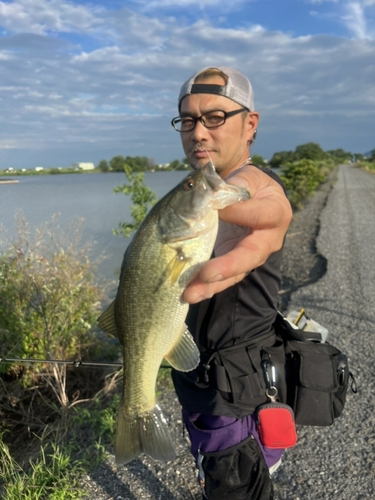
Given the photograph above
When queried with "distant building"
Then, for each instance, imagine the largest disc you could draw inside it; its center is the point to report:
(84, 166)
(38, 169)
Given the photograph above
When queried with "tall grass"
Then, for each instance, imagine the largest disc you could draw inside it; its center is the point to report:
(51, 466)
(55, 421)
(52, 476)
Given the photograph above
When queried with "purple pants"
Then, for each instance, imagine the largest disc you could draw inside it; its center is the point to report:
(210, 433)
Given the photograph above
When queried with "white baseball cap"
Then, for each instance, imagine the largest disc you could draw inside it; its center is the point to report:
(238, 88)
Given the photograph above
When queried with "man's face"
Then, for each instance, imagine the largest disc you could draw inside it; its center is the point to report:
(227, 145)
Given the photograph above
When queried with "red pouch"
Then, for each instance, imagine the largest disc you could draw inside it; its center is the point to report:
(276, 425)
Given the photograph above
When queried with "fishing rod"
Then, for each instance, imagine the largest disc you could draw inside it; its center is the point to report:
(75, 364)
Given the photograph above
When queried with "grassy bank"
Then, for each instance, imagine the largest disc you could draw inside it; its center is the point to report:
(367, 166)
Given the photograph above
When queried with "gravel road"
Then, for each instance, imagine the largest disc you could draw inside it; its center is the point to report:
(339, 462)
(329, 270)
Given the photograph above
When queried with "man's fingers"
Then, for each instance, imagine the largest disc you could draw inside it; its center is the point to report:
(251, 252)
(198, 291)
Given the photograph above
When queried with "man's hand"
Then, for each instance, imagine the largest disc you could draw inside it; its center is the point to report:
(268, 214)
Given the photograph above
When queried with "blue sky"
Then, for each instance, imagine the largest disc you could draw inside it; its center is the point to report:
(89, 80)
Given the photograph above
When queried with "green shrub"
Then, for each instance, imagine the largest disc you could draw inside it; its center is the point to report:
(49, 300)
(301, 178)
(368, 166)
(258, 160)
(143, 199)
(58, 421)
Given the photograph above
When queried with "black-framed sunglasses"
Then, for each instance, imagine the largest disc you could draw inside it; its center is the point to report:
(211, 119)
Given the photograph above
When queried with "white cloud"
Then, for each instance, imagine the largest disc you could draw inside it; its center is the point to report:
(45, 17)
(357, 21)
(183, 4)
(8, 144)
(357, 16)
(118, 94)
(40, 16)
(4, 55)
(322, 1)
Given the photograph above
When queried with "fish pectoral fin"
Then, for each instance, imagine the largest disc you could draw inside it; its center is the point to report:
(176, 265)
(184, 356)
(174, 269)
(107, 322)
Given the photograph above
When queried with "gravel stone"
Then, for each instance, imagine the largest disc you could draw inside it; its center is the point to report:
(328, 268)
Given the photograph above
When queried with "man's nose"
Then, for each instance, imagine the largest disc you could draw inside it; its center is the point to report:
(199, 132)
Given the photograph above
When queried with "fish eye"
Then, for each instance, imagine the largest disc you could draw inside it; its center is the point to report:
(189, 184)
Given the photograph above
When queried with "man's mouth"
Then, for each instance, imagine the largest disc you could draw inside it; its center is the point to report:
(200, 153)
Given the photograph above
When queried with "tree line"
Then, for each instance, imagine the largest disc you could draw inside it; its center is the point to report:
(308, 151)
(312, 151)
(138, 164)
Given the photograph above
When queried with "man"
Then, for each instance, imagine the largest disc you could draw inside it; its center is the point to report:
(234, 297)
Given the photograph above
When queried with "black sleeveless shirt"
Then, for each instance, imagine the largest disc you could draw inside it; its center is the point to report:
(243, 312)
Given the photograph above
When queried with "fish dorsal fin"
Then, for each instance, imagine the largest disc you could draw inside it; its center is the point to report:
(107, 322)
(184, 355)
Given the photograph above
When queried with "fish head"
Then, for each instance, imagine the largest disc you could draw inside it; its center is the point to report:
(191, 208)
(223, 194)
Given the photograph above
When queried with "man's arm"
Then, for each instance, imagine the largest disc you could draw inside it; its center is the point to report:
(268, 213)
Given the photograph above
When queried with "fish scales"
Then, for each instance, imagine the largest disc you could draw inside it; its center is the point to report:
(152, 308)
(148, 315)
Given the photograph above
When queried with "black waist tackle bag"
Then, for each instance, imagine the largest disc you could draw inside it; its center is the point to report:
(317, 376)
(236, 372)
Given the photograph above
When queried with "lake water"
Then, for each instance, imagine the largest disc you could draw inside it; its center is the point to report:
(89, 196)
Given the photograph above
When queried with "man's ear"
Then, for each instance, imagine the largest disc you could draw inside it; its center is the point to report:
(252, 121)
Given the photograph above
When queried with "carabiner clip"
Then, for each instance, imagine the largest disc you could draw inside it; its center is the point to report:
(270, 378)
(269, 373)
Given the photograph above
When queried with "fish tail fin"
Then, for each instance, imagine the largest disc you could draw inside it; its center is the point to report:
(148, 433)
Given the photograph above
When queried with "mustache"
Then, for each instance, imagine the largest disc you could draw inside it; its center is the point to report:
(200, 148)
(196, 147)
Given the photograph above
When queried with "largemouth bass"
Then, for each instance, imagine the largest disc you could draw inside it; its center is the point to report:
(148, 316)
